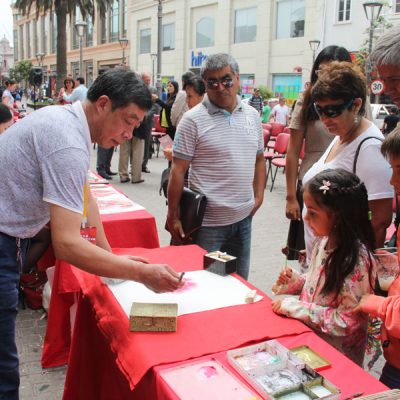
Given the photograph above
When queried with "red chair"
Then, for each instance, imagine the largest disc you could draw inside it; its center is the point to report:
(279, 162)
(267, 126)
(276, 128)
(157, 132)
(279, 151)
(286, 129)
(266, 135)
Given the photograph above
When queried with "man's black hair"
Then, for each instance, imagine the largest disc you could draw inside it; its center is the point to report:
(122, 87)
(5, 114)
(81, 80)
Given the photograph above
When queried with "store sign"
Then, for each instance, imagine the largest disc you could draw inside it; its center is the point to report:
(197, 58)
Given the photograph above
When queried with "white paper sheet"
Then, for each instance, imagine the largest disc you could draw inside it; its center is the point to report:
(110, 201)
(203, 291)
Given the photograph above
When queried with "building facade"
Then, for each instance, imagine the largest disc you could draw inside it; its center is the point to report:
(269, 38)
(6, 57)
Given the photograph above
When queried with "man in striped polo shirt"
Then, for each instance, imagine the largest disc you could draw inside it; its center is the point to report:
(220, 141)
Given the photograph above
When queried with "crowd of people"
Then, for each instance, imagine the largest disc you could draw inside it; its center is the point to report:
(342, 191)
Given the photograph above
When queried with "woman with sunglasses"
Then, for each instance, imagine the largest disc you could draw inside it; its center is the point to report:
(339, 97)
(306, 127)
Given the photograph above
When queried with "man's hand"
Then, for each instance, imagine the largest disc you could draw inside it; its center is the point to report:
(160, 278)
(257, 205)
(175, 228)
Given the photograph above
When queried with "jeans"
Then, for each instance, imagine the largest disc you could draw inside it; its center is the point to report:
(9, 279)
(235, 239)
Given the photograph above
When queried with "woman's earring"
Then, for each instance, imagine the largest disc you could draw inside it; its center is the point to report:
(356, 119)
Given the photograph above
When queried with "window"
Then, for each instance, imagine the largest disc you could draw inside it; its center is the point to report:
(103, 29)
(397, 6)
(343, 10)
(89, 31)
(205, 32)
(290, 19)
(124, 17)
(245, 25)
(145, 41)
(35, 37)
(168, 37)
(21, 42)
(28, 40)
(53, 34)
(44, 29)
(114, 21)
(15, 37)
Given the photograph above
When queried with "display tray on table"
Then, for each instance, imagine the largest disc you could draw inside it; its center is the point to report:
(277, 373)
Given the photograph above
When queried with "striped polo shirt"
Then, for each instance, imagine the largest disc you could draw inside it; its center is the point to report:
(222, 149)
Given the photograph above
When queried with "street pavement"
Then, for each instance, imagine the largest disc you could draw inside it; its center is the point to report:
(269, 236)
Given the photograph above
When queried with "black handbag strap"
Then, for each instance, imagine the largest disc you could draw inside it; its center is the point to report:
(359, 148)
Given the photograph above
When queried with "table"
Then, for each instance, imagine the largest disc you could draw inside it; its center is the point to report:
(128, 229)
(104, 351)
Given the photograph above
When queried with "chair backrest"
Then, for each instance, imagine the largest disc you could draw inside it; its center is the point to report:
(276, 128)
(281, 143)
(157, 125)
(266, 125)
(267, 135)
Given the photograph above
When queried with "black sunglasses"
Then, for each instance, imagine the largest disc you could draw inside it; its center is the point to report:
(333, 110)
(213, 84)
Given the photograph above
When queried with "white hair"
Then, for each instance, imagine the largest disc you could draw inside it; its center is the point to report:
(218, 61)
(387, 48)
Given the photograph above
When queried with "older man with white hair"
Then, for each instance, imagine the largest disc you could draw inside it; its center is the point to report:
(386, 57)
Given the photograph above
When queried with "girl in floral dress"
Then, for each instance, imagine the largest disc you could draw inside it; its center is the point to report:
(341, 268)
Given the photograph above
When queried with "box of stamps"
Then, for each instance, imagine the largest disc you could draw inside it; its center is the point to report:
(277, 373)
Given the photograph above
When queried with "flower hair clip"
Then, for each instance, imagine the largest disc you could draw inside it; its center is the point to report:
(326, 186)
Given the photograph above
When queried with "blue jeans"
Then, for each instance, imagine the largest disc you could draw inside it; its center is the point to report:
(9, 279)
(235, 239)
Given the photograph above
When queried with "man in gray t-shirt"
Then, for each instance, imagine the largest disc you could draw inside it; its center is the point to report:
(220, 142)
(44, 161)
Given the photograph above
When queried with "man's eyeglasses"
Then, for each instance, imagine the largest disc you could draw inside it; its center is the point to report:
(333, 110)
(213, 84)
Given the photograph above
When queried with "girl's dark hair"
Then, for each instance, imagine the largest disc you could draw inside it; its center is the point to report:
(347, 199)
(176, 88)
(329, 53)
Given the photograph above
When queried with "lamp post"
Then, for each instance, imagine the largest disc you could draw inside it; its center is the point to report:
(123, 42)
(159, 48)
(153, 59)
(80, 27)
(314, 44)
(372, 10)
(39, 58)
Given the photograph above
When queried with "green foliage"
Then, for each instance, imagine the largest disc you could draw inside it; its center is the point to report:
(21, 70)
(265, 92)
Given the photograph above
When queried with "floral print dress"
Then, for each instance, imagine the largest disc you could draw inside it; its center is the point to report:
(331, 317)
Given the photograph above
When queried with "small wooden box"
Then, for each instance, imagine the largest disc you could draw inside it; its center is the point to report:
(153, 317)
(219, 263)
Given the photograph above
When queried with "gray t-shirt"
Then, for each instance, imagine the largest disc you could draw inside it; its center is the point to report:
(222, 150)
(44, 159)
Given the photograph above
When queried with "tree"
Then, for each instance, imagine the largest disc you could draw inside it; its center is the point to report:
(265, 92)
(62, 8)
(21, 71)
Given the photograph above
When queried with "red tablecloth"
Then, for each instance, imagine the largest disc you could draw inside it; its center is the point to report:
(130, 229)
(103, 350)
(343, 373)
